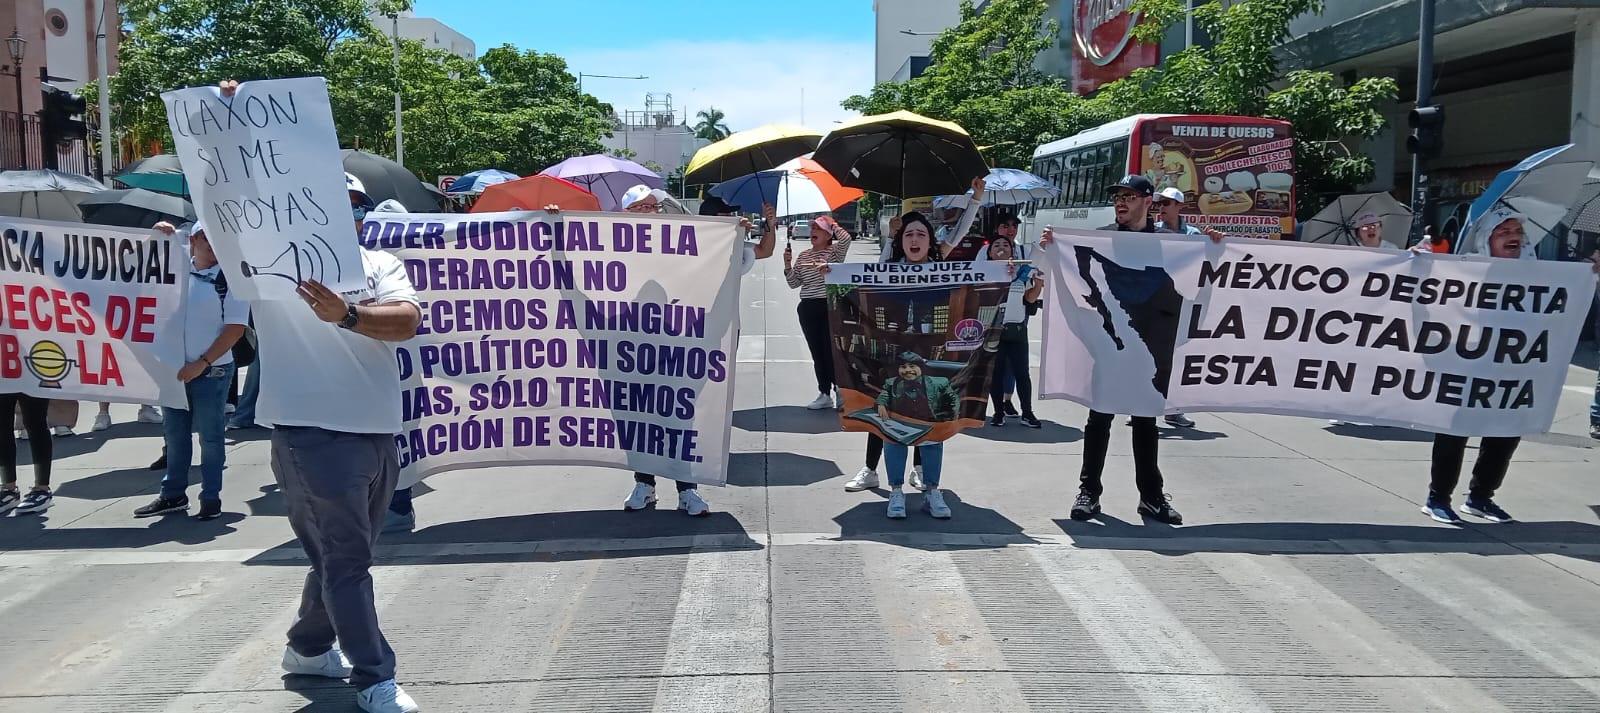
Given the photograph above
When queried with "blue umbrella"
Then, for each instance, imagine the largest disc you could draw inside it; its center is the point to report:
(1005, 186)
(476, 181)
(1542, 189)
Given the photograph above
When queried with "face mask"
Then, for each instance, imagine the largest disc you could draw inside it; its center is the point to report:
(359, 211)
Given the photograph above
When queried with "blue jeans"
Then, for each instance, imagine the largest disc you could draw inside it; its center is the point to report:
(1594, 407)
(400, 502)
(244, 413)
(208, 393)
(932, 455)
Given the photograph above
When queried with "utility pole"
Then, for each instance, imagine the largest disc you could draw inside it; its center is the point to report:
(399, 110)
(1427, 123)
(102, 49)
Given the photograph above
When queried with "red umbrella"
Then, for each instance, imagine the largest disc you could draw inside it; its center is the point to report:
(534, 193)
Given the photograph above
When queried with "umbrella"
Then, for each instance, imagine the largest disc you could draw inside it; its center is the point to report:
(135, 208)
(799, 187)
(161, 173)
(607, 177)
(45, 195)
(902, 154)
(387, 180)
(476, 181)
(1542, 188)
(1336, 224)
(1003, 186)
(533, 193)
(763, 148)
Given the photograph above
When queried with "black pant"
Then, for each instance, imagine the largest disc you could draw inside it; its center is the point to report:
(34, 411)
(875, 452)
(650, 480)
(1494, 459)
(814, 324)
(1146, 440)
(1012, 359)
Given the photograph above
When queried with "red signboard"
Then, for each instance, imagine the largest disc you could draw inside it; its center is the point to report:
(1103, 47)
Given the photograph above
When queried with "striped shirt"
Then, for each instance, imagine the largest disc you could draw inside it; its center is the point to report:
(804, 275)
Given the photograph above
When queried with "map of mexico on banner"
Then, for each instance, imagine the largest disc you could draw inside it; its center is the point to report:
(591, 339)
(263, 169)
(1466, 346)
(86, 312)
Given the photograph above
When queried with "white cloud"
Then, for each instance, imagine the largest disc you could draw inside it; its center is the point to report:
(753, 82)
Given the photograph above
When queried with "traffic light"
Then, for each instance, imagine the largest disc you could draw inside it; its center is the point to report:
(1427, 131)
(62, 115)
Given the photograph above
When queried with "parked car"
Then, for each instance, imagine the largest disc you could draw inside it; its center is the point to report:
(800, 229)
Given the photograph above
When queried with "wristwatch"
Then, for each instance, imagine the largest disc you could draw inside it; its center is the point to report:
(351, 316)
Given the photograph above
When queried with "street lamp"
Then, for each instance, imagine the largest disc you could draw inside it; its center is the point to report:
(914, 33)
(581, 75)
(18, 47)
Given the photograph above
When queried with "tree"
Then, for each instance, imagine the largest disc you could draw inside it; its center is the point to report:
(981, 75)
(711, 126)
(1236, 74)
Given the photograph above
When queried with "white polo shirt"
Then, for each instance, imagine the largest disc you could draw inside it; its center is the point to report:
(317, 375)
(207, 313)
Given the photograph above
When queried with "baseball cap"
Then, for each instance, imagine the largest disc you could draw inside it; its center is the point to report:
(634, 195)
(354, 185)
(1368, 219)
(1136, 183)
(390, 206)
(1171, 194)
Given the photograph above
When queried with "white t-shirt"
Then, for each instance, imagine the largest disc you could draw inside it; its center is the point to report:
(206, 314)
(318, 375)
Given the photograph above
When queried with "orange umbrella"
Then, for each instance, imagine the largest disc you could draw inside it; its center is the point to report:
(534, 193)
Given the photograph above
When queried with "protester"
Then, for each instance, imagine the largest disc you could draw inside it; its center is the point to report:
(1369, 230)
(914, 244)
(1131, 199)
(402, 514)
(214, 320)
(330, 388)
(1011, 360)
(39, 497)
(1006, 228)
(1498, 234)
(829, 243)
(1167, 209)
(954, 237)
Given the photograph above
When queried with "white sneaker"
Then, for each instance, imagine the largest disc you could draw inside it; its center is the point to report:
(385, 697)
(916, 478)
(866, 479)
(149, 414)
(897, 505)
(822, 401)
(933, 501)
(22, 435)
(643, 496)
(62, 431)
(102, 422)
(690, 502)
(331, 664)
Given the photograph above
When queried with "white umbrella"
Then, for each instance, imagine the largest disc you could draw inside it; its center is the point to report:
(1337, 223)
(45, 195)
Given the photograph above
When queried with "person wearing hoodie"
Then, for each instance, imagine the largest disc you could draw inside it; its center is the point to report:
(1499, 234)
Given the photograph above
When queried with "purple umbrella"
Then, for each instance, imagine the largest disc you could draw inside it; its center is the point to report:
(607, 177)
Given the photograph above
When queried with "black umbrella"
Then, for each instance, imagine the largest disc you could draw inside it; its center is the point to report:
(902, 154)
(387, 180)
(135, 208)
(160, 173)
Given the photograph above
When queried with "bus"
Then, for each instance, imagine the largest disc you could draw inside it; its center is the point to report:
(1236, 172)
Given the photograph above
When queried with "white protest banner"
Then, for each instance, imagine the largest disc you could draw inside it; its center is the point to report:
(601, 339)
(1467, 346)
(926, 274)
(263, 169)
(87, 312)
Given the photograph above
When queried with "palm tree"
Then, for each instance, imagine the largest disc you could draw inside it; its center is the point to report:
(711, 126)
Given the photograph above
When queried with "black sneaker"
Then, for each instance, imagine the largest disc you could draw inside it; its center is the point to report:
(1487, 510)
(1161, 511)
(8, 500)
(1085, 507)
(161, 463)
(1031, 421)
(162, 506)
(1594, 431)
(999, 419)
(209, 510)
(1010, 409)
(35, 501)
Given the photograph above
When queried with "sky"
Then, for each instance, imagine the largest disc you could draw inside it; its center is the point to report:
(753, 59)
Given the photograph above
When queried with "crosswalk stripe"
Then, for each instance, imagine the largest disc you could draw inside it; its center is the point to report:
(720, 627)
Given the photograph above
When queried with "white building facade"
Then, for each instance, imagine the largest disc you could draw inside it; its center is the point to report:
(432, 33)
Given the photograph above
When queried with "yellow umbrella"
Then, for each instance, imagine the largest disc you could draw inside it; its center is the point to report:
(760, 149)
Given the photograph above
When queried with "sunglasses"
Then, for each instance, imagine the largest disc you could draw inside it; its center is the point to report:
(1125, 197)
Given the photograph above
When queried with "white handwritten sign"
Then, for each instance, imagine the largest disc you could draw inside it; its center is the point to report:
(263, 167)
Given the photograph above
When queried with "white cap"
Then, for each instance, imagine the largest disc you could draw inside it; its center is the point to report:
(1171, 194)
(196, 227)
(390, 206)
(354, 185)
(634, 195)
